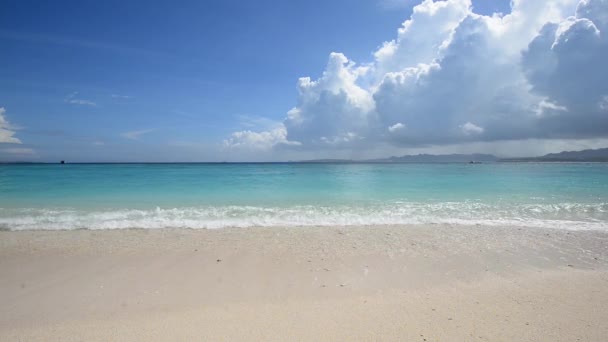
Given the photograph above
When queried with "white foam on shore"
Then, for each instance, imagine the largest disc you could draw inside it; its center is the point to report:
(571, 216)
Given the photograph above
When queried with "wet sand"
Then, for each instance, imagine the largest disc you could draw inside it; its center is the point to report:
(356, 283)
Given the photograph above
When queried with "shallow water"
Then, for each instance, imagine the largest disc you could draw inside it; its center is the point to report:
(108, 196)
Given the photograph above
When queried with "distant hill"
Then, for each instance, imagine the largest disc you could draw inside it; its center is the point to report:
(599, 155)
(321, 161)
(438, 158)
(420, 158)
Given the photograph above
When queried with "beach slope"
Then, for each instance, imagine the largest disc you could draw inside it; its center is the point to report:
(343, 283)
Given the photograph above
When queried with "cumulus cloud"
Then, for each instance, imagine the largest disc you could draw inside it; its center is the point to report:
(342, 139)
(454, 77)
(471, 129)
(331, 107)
(546, 107)
(7, 131)
(264, 140)
(396, 127)
(566, 64)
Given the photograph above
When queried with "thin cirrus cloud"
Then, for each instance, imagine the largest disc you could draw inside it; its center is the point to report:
(122, 97)
(80, 43)
(73, 99)
(452, 76)
(136, 135)
(395, 4)
(19, 151)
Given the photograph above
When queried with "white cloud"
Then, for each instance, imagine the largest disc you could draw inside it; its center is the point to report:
(471, 129)
(7, 131)
(71, 98)
(421, 38)
(263, 140)
(396, 127)
(546, 107)
(458, 77)
(331, 106)
(342, 139)
(566, 64)
(135, 135)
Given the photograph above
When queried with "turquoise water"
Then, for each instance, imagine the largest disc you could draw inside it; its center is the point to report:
(110, 196)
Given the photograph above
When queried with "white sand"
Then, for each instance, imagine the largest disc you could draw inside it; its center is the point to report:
(370, 283)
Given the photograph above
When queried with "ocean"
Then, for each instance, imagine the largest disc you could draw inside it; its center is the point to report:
(115, 196)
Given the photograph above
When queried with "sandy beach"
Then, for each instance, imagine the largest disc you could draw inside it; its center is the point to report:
(416, 283)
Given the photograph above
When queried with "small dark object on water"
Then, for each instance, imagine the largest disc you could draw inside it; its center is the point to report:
(62, 162)
(219, 260)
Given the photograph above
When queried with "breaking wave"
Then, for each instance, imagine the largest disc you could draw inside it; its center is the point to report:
(572, 216)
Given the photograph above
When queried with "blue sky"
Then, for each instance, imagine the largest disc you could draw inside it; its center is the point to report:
(215, 80)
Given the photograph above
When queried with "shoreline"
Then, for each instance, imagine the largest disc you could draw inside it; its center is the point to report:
(383, 282)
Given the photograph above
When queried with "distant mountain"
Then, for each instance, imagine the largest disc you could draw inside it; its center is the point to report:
(438, 158)
(420, 158)
(321, 161)
(599, 155)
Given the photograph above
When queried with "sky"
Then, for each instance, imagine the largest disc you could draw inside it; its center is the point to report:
(227, 80)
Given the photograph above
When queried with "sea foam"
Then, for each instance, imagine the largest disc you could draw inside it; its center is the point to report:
(573, 216)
